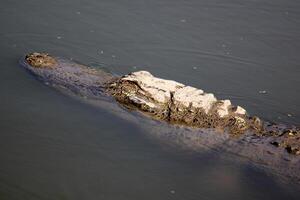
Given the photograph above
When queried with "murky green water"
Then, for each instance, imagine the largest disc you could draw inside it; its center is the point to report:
(56, 147)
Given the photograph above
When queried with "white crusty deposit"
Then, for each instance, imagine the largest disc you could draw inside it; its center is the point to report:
(195, 98)
(159, 89)
(167, 91)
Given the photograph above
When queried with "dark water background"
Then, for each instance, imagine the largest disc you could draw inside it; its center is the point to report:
(55, 147)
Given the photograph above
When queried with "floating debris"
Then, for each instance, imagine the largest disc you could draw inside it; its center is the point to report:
(289, 115)
(59, 37)
(262, 92)
(183, 20)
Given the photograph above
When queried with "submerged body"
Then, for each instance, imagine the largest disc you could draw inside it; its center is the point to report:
(219, 124)
(79, 79)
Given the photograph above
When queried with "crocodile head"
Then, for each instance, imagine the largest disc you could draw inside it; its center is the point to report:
(40, 60)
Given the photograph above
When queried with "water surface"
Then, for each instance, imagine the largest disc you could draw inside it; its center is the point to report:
(56, 147)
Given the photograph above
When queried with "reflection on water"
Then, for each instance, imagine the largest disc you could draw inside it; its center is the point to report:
(55, 147)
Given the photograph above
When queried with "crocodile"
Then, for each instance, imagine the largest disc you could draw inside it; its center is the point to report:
(206, 121)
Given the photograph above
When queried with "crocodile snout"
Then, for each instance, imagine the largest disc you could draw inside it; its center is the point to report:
(40, 60)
